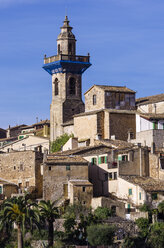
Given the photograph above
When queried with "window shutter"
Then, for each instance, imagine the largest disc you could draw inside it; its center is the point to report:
(105, 159)
(119, 158)
(0, 189)
(99, 160)
(92, 161)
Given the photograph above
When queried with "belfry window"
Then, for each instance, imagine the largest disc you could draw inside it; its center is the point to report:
(56, 87)
(72, 86)
(58, 48)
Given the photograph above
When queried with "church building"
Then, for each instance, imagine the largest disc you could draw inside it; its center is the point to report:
(109, 111)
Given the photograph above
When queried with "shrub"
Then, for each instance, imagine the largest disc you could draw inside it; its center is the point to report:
(59, 142)
(102, 213)
(101, 234)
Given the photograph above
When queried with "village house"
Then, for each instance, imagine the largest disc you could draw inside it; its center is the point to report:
(65, 179)
(2, 133)
(151, 104)
(41, 129)
(14, 131)
(149, 129)
(24, 170)
(7, 188)
(30, 142)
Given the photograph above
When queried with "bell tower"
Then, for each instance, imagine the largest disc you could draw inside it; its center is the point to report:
(66, 69)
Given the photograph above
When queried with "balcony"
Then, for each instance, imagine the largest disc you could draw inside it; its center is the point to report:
(66, 57)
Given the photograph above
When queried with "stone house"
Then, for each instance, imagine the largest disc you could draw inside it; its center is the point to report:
(156, 164)
(41, 129)
(109, 97)
(105, 124)
(65, 179)
(136, 190)
(14, 131)
(7, 188)
(151, 104)
(149, 129)
(30, 142)
(23, 169)
(2, 133)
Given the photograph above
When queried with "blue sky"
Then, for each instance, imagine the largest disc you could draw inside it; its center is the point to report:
(125, 39)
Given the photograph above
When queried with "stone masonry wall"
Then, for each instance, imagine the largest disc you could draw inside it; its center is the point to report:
(120, 124)
(22, 167)
(55, 176)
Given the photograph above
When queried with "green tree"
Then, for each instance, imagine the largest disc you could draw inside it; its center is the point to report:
(102, 213)
(101, 234)
(49, 212)
(161, 208)
(59, 142)
(143, 225)
(20, 211)
(156, 237)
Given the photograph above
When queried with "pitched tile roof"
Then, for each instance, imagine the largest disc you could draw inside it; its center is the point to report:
(151, 116)
(147, 183)
(150, 99)
(62, 160)
(112, 88)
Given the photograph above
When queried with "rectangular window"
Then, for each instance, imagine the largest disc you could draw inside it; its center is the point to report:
(130, 191)
(110, 176)
(0, 189)
(84, 189)
(103, 160)
(140, 195)
(94, 161)
(155, 125)
(154, 196)
(67, 167)
(49, 168)
(27, 184)
(162, 163)
(94, 99)
(106, 176)
(115, 175)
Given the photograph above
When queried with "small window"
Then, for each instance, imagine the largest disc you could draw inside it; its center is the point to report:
(124, 157)
(106, 176)
(14, 167)
(113, 209)
(94, 99)
(21, 167)
(84, 189)
(110, 176)
(27, 184)
(0, 189)
(154, 196)
(162, 163)
(94, 161)
(103, 160)
(115, 175)
(130, 191)
(49, 168)
(72, 86)
(56, 84)
(155, 125)
(58, 48)
(67, 167)
(84, 202)
(140, 195)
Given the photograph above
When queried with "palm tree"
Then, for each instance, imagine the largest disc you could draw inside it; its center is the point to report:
(20, 211)
(49, 212)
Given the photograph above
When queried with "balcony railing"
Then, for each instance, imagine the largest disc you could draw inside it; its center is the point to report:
(66, 57)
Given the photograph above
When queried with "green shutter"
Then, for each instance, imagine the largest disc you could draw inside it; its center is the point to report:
(105, 159)
(119, 157)
(153, 125)
(0, 189)
(128, 205)
(130, 191)
(99, 160)
(140, 195)
(92, 161)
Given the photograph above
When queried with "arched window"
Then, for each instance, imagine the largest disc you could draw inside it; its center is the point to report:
(58, 48)
(56, 86)
(72, 86)
(70, 49)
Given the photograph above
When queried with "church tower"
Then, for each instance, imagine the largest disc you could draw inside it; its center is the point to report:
(66, 69)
